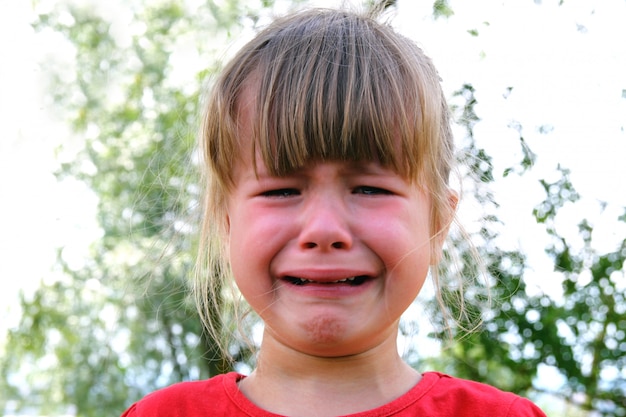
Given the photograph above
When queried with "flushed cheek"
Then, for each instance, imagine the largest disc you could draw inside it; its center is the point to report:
(406, 254)
(253, 246)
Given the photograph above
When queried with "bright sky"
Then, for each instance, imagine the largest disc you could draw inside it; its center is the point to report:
(37, 215)
(568, 70)
(567, 65)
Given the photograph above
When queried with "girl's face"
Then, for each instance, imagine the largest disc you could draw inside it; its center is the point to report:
(329, 256)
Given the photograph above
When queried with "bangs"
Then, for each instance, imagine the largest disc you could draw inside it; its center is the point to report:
(328, 96)
(333, 87)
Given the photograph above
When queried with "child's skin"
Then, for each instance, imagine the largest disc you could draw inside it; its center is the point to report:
(328, 348)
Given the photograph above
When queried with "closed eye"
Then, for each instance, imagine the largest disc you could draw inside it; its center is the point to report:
(369, 190)
(281, 193)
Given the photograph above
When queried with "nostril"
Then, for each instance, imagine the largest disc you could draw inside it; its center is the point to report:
(334, 245)
(324, 228)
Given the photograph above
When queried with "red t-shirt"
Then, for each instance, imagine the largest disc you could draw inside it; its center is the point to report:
(435, 395)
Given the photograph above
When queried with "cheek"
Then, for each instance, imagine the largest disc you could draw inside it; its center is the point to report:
(400, 236)
(407, 277)
(254, 241)
(404, 245)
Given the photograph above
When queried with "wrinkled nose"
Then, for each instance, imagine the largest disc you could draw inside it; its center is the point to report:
(325, 225)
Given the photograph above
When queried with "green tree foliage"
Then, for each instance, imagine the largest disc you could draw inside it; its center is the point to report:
(119, 326)
(580, 333)
(441, 8)
(588, 325)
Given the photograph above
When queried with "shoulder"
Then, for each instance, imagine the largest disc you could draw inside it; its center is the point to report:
(463, 397)
(187, 398)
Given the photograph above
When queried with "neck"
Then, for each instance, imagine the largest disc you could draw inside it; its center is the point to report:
(327, 386)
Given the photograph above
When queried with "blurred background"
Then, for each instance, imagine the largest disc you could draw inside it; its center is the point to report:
(99, 107)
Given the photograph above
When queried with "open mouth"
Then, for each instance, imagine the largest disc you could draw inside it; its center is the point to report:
(353, 281)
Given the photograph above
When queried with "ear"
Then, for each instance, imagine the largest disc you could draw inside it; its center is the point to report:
(445, 219)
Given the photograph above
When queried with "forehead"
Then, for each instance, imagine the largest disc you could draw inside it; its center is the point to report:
(246, 119)
(246, 112)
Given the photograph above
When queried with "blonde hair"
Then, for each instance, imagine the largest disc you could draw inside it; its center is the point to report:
(330, 85)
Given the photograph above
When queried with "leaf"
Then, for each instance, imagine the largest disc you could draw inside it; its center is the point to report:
(441, 8)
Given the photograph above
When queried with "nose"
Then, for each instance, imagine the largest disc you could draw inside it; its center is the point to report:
(325, 224)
